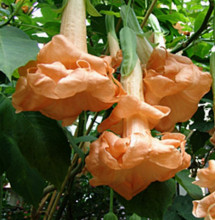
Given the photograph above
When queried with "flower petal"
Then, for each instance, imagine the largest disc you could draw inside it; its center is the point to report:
(201, 207)
(65, 82)
(129, 165)
(128, 106)
(174, 81)
(206, 177)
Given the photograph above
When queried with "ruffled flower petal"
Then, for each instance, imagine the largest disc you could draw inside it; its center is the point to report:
(206, 177)
(65, 81)
(129, 165)
(174, 81)
(129, 106)
(205, 207)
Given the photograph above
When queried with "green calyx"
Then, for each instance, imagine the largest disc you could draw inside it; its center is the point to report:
(110, 25)
(110, 216)
(128, 45)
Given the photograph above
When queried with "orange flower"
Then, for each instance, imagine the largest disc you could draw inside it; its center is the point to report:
(206, 206)
(174, 81)
(130, 164)
(65, 82)
(206, 177)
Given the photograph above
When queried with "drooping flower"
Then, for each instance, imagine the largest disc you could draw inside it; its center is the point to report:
(206, 177)
(65, 79)
(129, 164)
(65, 82)
(206, 206)
(174, 81)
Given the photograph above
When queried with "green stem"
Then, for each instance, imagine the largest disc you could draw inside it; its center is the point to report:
(148, 13)
(81, 124)
(31, 26)
(92, 123)
(111, 201)
(1, 195)
(71, 174)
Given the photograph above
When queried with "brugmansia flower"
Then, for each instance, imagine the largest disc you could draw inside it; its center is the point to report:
(206, 206)
(65, 82)
(174, 81)
(129, 164)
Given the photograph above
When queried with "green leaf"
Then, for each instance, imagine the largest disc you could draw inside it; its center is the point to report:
(74, 146)
(185, 181)
(199, 19)
(16, 49)
(152, 202)
(50, 14)
(174, 17)
(84, 139)
(41, 140)
(200, 49)
(52, 28)
(116, 14)
(181, 209)
(92, 10)
(25, 180)
(129, 18)
(128, 45)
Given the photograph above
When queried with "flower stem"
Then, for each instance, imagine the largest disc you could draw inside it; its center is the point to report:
(92, 123)
(111, 200)
(148, 13)
(73, 24)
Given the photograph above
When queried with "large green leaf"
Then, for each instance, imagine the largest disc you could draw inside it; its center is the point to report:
(16, 49)
(183, 178)
(181, 209)
(25, 180)
(152, 202)
(41, 140)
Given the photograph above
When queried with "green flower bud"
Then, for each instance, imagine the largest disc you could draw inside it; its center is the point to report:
(110, 216)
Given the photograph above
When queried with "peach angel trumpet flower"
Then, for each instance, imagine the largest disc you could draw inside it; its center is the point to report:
(65, 79)
(129, 164)
(174, 81)
(206, 206)
(65, 82)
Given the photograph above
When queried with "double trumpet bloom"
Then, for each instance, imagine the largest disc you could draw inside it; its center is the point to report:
(174, 81)
(206, 206)
(65, 81)
(129, 164)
